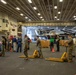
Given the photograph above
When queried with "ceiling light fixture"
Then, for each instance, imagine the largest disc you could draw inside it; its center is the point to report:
(41, 17)
(21, 14)
(26, 17)
(29, 20)
(55, 17)
(60, 0)
(55, 7)
(74, 16)
(30, 1)
(59, 12)
(39, 14)
(35, 8)
(4, 2)
(58, 19)
(17, 8)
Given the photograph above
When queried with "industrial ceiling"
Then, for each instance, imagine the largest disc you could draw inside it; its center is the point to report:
(40, 10)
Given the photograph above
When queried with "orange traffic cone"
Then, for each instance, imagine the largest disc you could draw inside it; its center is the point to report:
(10, 49)
(53, 50)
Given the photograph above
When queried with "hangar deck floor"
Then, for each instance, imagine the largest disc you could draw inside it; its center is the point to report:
(11, 64)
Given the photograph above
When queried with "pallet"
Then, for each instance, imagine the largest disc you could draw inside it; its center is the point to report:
(23, 56)
(58, 59)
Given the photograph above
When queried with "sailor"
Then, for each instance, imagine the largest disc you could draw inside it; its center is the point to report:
(26, 46)
(70, 48)
(39, 47)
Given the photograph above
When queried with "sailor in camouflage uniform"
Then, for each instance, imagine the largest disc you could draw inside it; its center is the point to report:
(39, 47)
(26, 47)
(3, 47)
(70, 48)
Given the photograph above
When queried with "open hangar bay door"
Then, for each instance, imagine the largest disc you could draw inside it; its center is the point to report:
(44, 31)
